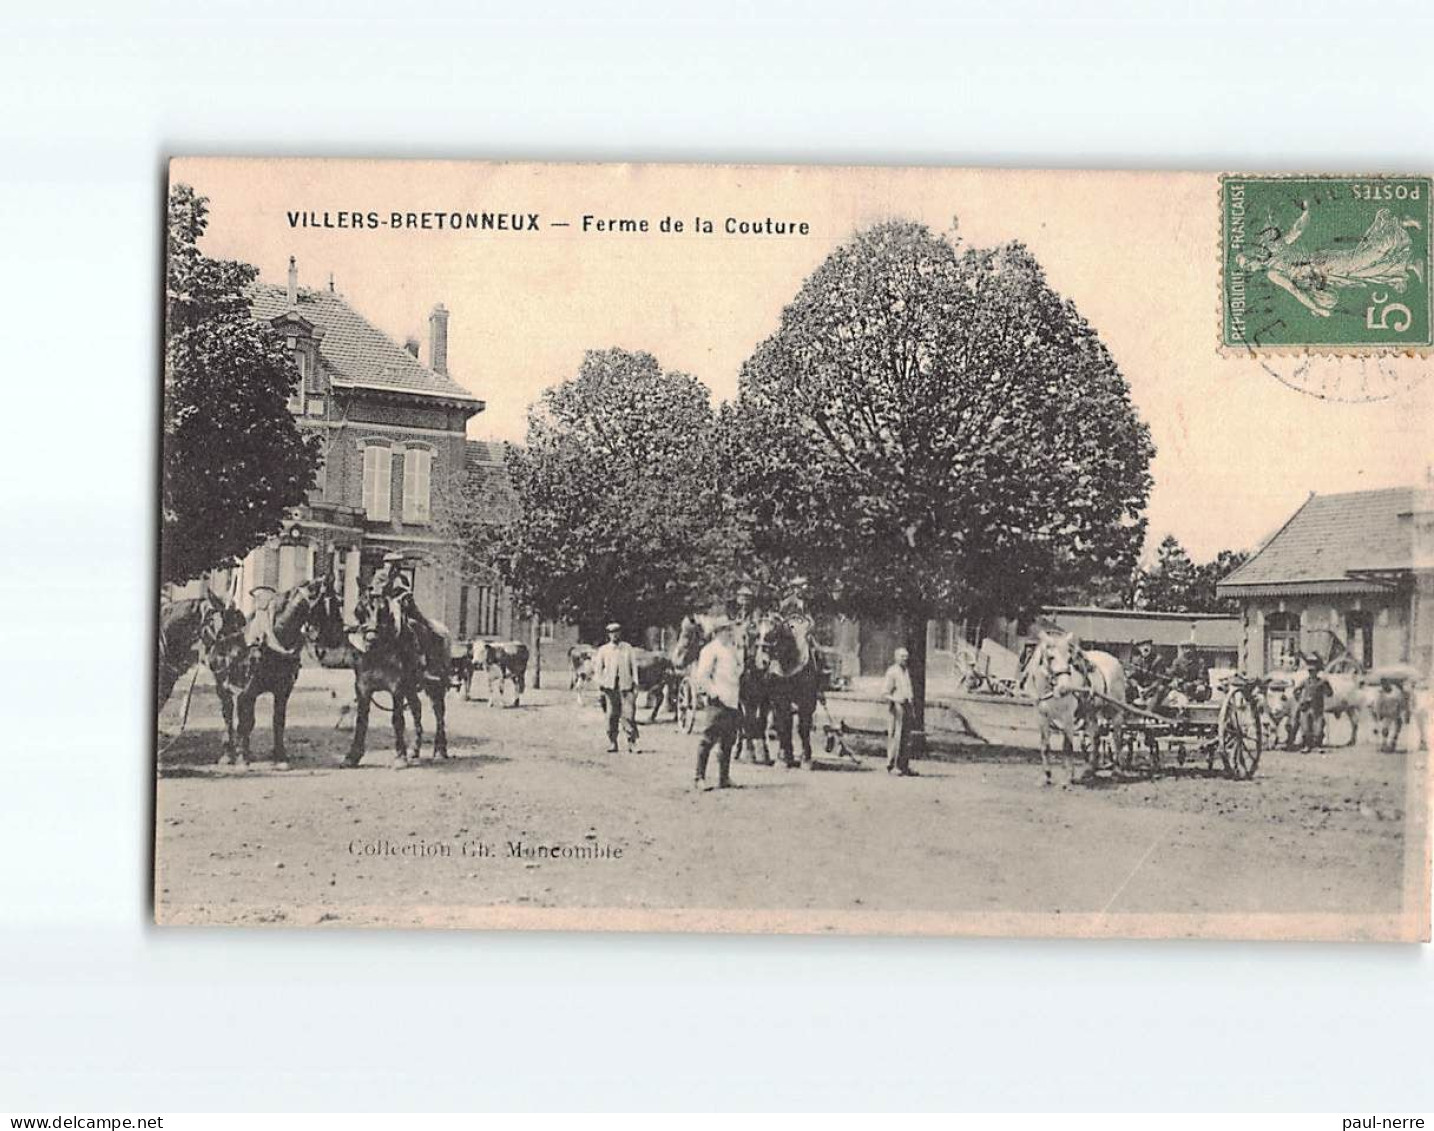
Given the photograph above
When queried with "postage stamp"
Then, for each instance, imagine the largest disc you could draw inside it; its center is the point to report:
(1334, 263)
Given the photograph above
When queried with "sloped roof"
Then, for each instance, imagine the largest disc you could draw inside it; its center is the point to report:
(357, 352)
(1334, 538)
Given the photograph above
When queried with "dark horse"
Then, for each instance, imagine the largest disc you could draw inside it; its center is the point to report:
(402, 659)
(792, 681)
(245, 671)
(185, 629)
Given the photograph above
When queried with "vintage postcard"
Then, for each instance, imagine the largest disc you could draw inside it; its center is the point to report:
(801, 549)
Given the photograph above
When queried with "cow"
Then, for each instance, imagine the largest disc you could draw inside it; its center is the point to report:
(1389, 707)
(580, 661)
(503, 661)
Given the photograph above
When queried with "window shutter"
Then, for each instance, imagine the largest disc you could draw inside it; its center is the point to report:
(422, 487)
(383, 484)
(370, 481)
(410, 485)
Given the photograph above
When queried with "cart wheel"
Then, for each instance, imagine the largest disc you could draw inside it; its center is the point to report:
(1240, 738)
(686, 705)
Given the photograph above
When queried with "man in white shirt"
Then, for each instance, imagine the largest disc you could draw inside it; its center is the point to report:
(896, 690)
(615, 673)
(718, 674)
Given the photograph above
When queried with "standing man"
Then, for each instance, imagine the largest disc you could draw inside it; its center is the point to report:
(615, 672)
(1310, 699)
(718, 673)
(898, 695)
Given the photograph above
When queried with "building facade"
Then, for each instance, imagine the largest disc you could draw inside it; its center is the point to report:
(393, 429)
(1347, 573)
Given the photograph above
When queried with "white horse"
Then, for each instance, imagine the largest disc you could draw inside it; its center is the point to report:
(1062, 676)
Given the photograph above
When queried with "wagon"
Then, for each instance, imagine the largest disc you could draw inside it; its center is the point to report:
(1228, 726)
(689, 702)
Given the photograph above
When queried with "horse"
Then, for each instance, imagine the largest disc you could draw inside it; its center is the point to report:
(502, 660)
(754, 698)
(1064, 677)
(245, 671)
(188, 628)
(792, 681)
(403, 658)
(692, 636)
(657, 677)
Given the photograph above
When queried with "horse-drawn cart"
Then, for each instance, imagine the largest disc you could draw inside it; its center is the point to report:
(1227, 726)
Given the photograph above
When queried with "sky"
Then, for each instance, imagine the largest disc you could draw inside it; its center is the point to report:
(1238, 449)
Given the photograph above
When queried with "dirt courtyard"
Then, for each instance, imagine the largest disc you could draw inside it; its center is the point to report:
(531, 812)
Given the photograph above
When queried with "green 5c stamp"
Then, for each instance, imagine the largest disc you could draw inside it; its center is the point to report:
(1332, 263)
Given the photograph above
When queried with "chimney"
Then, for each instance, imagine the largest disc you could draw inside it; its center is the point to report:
(293, 283)
(438, 339)
(410, 343)
(331, 283)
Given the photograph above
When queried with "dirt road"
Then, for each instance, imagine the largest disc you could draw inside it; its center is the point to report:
(1313, 834)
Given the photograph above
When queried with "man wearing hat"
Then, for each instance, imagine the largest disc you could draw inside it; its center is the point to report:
(1149, 683)
(1188, 674)
(899, 696)
(794, 604)
(389, 582)
(746, 618)
(718, 673)
(615, 673)
(1310, 696)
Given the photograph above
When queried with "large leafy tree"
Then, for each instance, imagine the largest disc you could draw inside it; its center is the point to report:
(1176, 584)
(934, 431)
(618, 510)
(234, 460)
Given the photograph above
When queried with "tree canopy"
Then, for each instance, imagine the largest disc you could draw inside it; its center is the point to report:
(938, 430)
(1176, 584)
(618, 512)
(234, 460)
(933, 430)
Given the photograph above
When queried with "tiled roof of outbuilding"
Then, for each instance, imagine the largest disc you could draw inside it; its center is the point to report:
(357, 352)
(1334, 537)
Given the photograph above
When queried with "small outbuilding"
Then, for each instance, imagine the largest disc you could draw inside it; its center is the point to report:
(1347, 573)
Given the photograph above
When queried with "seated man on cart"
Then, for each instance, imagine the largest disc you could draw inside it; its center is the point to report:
(1147, 681)
(1188, 675)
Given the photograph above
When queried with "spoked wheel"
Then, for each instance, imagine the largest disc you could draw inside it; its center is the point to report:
(686, 705)
(1240, 736)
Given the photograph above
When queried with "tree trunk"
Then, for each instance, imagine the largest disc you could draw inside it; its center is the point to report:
(913, 627)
